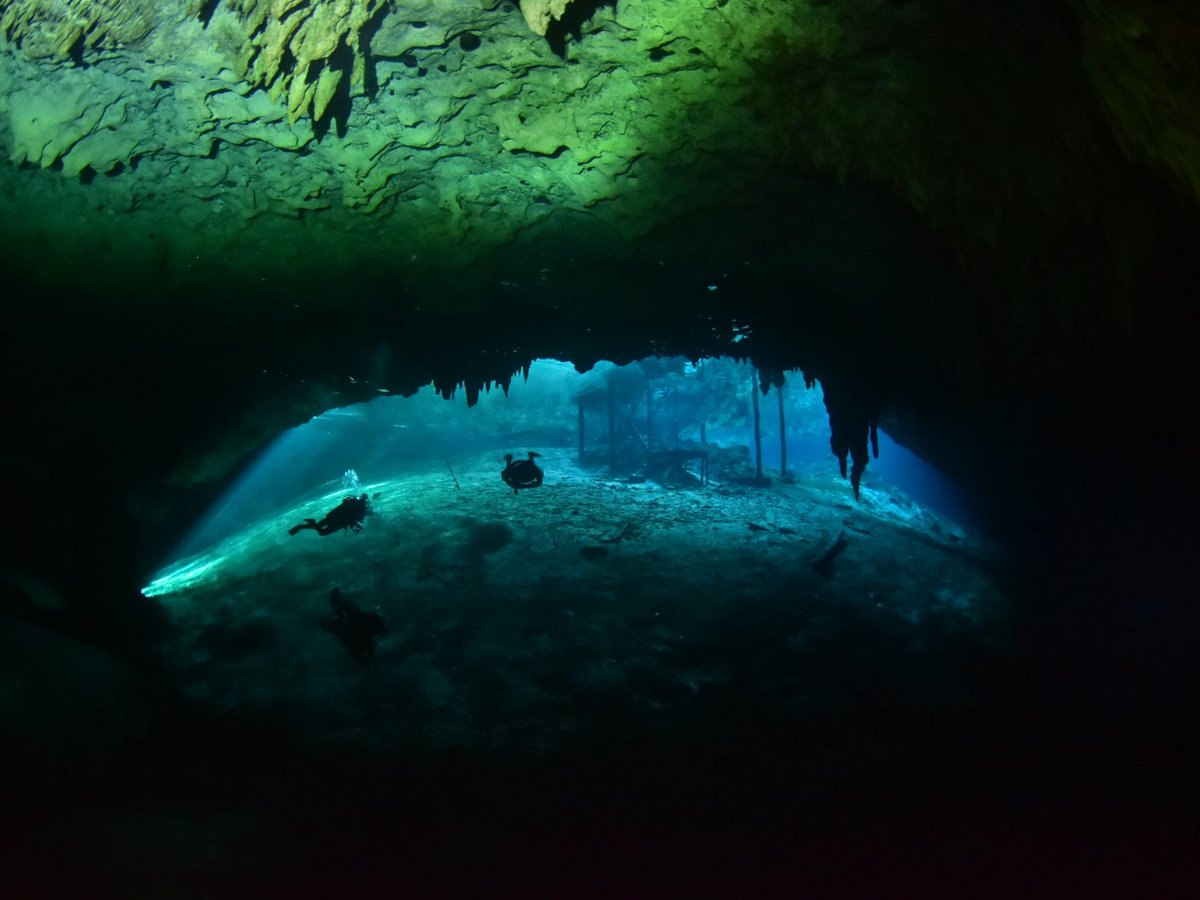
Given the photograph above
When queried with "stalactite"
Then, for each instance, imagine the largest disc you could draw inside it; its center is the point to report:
(853, 424)
(757, 424)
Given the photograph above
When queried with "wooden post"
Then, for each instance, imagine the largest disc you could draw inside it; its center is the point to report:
(649, 419)
(782, 435)
(612, 426)
(757, 423)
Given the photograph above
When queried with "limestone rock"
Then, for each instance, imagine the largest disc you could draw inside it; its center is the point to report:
(56, 27)
(47, 120)
(539, 13)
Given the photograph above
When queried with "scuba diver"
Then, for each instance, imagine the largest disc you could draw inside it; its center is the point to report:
(524, 473)
(348, 514)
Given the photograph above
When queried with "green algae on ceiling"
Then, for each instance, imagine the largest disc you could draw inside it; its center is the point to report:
(444, 149)
(459, 132)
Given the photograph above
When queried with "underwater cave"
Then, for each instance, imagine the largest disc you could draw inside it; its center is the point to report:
(645, 447)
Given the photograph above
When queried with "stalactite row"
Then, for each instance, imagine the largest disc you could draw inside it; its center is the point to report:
(291, 43)
(62, 27)
(479, 383)
(289, 46)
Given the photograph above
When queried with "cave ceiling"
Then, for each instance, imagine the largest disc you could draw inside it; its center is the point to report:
(452, 128)
(255, 210)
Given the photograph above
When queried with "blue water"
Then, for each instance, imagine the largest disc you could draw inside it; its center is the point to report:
(386, 438)
(390, 436)
(925, 484)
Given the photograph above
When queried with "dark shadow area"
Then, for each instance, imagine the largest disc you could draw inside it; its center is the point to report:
(570, 26)
(207, 8)
(484, 539)
(226, 642)
(337, 113)
(935, 786)
(366, 33)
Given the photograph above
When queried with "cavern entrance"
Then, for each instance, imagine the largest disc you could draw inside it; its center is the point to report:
(669, 561)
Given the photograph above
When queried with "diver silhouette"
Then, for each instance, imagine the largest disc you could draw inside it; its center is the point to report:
(357, 629)
(346, 515)
(524, 473)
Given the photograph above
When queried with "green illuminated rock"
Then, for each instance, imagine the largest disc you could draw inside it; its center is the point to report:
(434, 136)
(466, 130)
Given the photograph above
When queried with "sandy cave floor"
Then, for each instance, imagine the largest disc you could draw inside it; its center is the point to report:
(504, 636)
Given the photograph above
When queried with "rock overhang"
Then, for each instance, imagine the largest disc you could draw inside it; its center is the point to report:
(584, 200)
